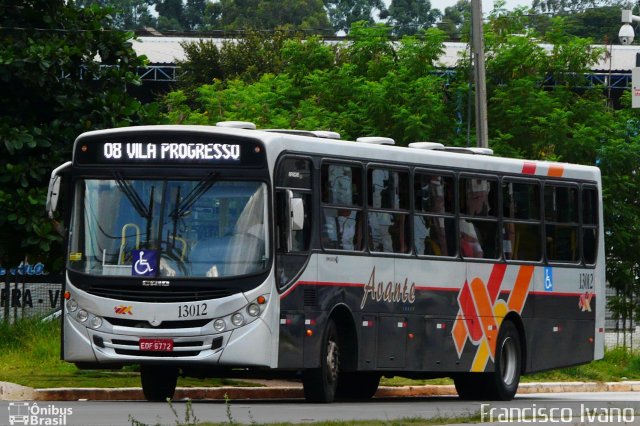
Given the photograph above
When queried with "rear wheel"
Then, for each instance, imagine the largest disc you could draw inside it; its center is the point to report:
(506, 378)
(158, 382)
(320, 384)
(502, 383)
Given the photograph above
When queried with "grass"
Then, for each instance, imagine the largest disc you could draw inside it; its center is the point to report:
(30, 356)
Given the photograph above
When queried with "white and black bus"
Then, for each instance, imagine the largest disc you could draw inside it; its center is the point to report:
(223, 251)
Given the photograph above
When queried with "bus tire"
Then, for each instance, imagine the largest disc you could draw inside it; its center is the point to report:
(470, 386)
(158, 382)
(504, 381)
(320, 384)
(357, 386)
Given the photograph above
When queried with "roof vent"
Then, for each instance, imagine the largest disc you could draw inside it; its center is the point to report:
(237, 124)
(426, 145)
(376, 140)
(469, 150)
(325, 134)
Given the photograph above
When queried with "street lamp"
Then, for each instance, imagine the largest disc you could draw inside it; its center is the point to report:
(626, 32)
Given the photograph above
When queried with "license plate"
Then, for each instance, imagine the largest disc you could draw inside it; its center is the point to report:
(156, 345)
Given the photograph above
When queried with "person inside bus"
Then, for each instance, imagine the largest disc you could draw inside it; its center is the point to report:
(477, 204)
(382, 225)
(341, 229)
(430, 232)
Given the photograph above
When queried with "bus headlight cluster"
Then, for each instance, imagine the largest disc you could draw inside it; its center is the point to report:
(244, 316)
(83, 316)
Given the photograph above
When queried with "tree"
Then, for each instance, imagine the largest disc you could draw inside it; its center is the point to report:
(455, 21)
(170, 15)
(411, 16)
(52, 89)
(270, 14)
(128, 14)
(344, 13)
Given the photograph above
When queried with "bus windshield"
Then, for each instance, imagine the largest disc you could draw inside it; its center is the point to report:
(169, 228)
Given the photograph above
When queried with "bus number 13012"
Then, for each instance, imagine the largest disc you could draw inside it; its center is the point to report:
(185, 311)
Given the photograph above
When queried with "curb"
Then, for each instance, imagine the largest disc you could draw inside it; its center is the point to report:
(12, 392)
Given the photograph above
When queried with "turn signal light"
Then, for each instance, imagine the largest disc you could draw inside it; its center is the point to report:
(309, 333)
(67, 295)
(261, 300)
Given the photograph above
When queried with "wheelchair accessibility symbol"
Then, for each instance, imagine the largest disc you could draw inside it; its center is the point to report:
(548, 279)
(145, 262)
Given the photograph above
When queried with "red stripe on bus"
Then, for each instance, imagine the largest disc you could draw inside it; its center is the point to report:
(495, 280)
(470, 314)
(529, 168)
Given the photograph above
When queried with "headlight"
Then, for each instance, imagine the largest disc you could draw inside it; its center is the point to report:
(219, 325)
(253, 310)
(95, 322)
(72, 305)
(82, 315)
(237, 319)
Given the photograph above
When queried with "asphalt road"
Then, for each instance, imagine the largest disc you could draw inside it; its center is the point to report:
(565, 408)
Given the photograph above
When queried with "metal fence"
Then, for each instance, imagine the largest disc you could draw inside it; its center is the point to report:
(29, 296)
(620, 332)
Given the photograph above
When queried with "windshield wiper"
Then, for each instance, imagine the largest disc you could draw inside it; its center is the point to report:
(193, 196)
(133, 196)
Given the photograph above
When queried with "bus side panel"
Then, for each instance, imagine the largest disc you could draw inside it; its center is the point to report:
(431, 315)
(563, 330)
(292, 317)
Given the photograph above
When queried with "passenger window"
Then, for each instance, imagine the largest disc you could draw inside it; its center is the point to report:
(342, 217)
(561, 222)
(590, 211)
(521, 234)
(388, 216)
(478, 225)
(341, 184)
(433, 223)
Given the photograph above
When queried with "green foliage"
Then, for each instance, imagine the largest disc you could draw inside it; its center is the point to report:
(411, 16)
(344, 13)
(539, 104)
(366, 86)
(52, 89)
(306, 15)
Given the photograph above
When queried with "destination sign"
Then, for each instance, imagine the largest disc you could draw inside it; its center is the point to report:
(171, 151)
(168, 148)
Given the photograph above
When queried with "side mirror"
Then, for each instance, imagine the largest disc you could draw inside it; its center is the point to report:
(296, 214)
(53, 192)
(295, 219)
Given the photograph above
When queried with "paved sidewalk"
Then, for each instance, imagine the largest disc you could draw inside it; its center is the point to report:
(282, 390)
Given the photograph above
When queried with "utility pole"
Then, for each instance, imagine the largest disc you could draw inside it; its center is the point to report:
(477, 39)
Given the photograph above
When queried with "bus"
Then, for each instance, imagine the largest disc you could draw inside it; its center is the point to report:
(226, 251)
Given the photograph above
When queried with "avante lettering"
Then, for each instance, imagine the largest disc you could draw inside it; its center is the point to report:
(390, 292)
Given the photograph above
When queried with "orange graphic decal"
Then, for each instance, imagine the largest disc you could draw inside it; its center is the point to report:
(123, 310)
(585, 302)
(555, 170)
(481, 312)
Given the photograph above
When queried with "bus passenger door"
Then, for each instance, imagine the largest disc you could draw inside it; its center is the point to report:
(294, 264)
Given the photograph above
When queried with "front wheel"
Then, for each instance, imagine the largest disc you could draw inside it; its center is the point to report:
(357, 386)
(158, 382)
(320, 383)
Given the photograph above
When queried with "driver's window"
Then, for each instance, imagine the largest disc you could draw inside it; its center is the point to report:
(294, 174)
